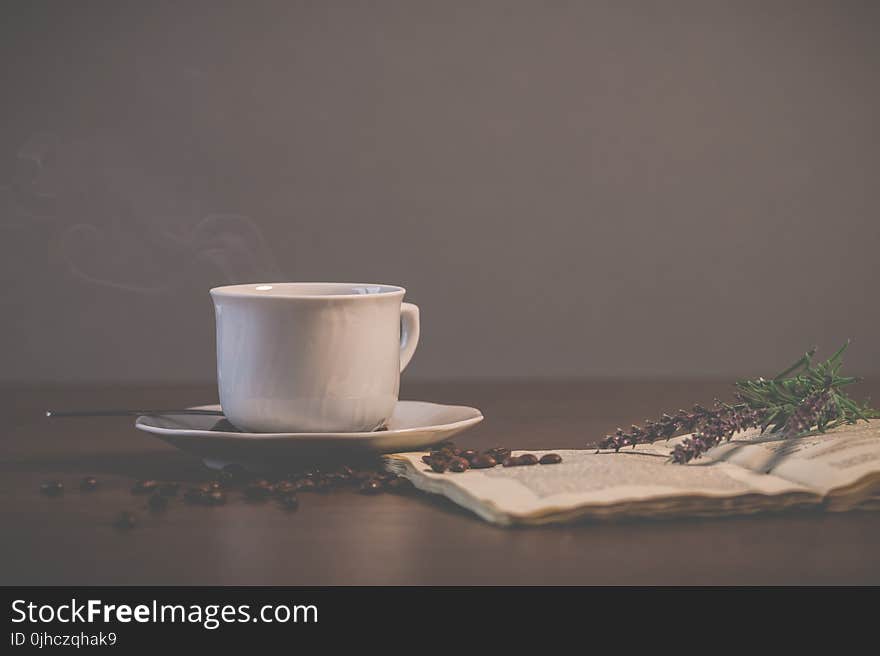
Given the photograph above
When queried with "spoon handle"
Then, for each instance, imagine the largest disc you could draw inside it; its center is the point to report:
(129, 413)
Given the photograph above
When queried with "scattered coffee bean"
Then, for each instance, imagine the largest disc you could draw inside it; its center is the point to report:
(124, 521)
(88, 484)
(325, 484)
(157, 503)
(482, 461)
(289, 501)
(523, 460)
(499, 453)
(459, 465)
(52, 488)
(304, 484)
(144, 487)
(372, 486)
(283, 487)
(439, 465)
(446, 457)
(369, 477)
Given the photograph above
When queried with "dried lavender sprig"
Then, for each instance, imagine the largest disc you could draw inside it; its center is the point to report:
(708, 428)
(811, 412)
(668, 426)
(801, 398)
(722, 425)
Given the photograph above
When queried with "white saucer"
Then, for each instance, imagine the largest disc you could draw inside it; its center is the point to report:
(413, 426)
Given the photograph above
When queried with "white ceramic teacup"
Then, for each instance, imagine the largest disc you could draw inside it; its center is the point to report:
(312, 357)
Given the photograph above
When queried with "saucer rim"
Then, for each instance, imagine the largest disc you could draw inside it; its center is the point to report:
(227, 435)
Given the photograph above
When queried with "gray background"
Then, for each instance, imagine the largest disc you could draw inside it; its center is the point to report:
(565, 188)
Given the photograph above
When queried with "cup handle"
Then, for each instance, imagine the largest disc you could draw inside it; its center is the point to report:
(409, 332)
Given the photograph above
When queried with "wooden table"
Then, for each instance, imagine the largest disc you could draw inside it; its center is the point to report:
(345, 538)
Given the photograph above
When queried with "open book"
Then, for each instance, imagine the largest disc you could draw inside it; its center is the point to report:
(838, 470)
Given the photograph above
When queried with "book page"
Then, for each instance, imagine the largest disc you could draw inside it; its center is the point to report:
(634, 482)
(843, 461)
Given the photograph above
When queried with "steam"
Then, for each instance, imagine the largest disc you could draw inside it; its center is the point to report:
(111, 226)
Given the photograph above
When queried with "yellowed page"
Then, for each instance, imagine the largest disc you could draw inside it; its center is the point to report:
(845, 460)
(640, 482)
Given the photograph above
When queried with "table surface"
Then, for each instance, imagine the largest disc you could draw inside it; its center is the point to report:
(344, 538)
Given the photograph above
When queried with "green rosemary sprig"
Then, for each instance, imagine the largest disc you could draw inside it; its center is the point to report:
(804, 397)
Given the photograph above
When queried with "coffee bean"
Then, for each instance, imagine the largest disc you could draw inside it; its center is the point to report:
(372, 486)
(124, 521)
(499, 453)
(520, 461)
(144, 487)
(52, 488)
(289, 501)
(304, 484)
(283, 487)
(482, 461)
(157, 502)
(325, 484)
(439, 465)
(88, 484)
(459, 465)
(445, 457)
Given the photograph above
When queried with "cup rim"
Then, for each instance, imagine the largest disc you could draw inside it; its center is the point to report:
(300, 290)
